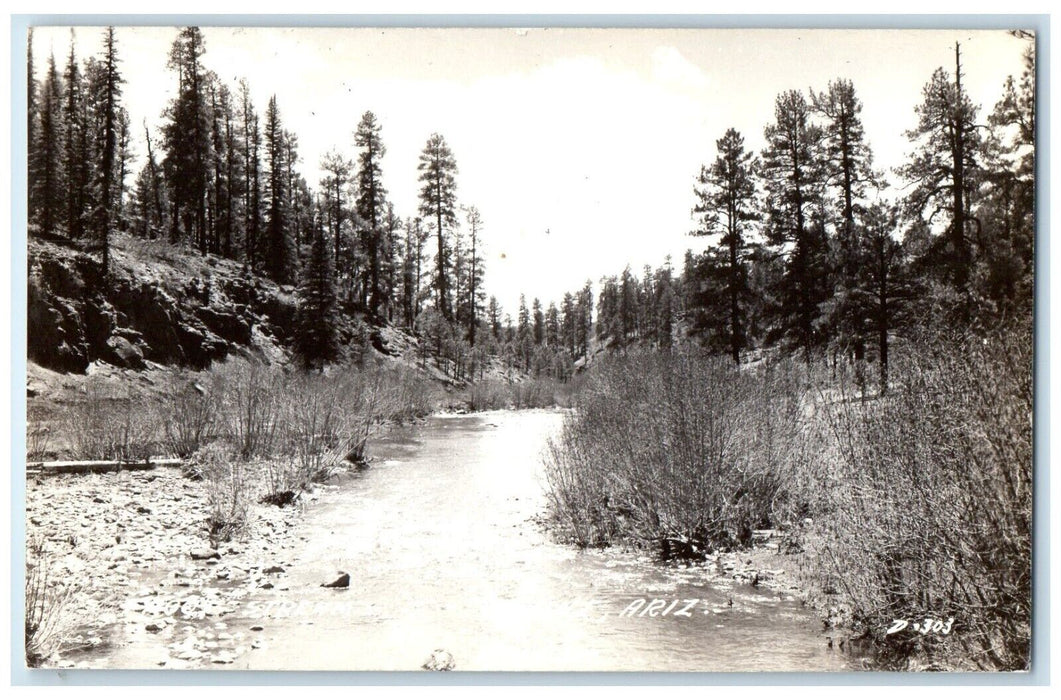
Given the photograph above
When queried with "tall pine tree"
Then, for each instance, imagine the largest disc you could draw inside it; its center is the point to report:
(438, 203)
(725, 204)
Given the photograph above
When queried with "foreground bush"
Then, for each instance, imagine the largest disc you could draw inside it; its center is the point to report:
(48, 619)
(229, 492)
(306, 426)
(678, 450)
(930, 507)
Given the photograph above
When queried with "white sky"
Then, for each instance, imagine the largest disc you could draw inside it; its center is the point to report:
(579, 146)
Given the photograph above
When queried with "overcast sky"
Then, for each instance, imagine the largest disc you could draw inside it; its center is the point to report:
(579, 146)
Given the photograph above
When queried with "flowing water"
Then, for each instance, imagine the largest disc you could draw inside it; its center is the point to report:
(444, 552)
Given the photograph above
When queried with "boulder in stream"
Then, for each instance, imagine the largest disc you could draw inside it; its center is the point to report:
(342, 581)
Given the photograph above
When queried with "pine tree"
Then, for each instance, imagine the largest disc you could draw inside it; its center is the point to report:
(235, 176)
(148, 196)
(279, 253)
(665, 306)
(438, 200)
(77, 160)
(459, 279)
(493, 314)
(388, 266)
(31, 119)
(584, 313)
(552, 326)
(943, 171)
(1007, 211)
(415, 240)
(371, 205)
(792, 177)
(538, 319)
(317, 338)
(847, 162)
(252, 196)
(336, 176)
(123, 157)
(112, 91)
(725, 204)
(476, 271)
(568, 323)
(883, 287)
(186, 139)
(627, 306)
(46, 167)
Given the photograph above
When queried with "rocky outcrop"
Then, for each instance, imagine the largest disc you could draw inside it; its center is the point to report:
(170, 308)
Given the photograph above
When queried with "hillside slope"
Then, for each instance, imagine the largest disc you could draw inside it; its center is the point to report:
(162, 305)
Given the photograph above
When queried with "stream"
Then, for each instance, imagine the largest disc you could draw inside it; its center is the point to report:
(444, 551)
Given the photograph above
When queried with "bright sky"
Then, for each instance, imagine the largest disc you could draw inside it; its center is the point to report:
(579, 146)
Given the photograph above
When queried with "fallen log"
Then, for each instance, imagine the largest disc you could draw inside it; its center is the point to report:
(97, 466)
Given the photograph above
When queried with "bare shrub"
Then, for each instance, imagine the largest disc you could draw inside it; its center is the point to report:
(229, 490)
(489, 395)
(534, 393)
(931, 507)
(251, 403)
(326, 420)
(370, 397)
(120, 426)
(38, 437)
(413, 395)
(676, 449)
(319, 428)
(49, 621)
(190, 416)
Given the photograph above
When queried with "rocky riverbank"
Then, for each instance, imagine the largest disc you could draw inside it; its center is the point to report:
(129, 557)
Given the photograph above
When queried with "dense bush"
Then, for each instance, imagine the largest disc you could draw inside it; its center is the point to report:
(676, 449)
(489, 395)
(930, 501)
(539, 392)
(920, 496)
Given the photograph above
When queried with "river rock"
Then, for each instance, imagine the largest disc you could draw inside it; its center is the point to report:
(204, 554)
(343, 581)
(440, 660)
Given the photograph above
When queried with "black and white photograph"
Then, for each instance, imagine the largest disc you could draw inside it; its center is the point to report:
(529, 348)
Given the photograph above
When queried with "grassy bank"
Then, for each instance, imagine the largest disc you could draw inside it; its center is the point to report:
(911, 505)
